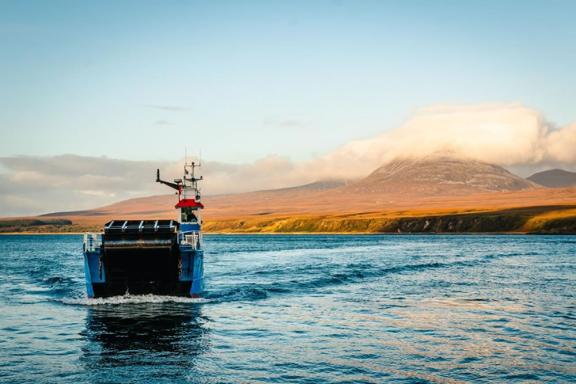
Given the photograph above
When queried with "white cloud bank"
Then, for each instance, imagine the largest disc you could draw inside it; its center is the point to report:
(506, 134)
(510, 135)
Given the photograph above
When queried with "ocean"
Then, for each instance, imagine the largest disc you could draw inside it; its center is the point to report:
(301, 309)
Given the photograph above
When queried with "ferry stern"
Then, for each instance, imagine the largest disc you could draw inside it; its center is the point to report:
(158, 256)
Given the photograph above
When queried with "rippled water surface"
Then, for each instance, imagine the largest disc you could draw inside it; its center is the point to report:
(344, 309)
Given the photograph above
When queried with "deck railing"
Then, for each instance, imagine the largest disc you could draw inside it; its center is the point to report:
(193, 239)
(92, 242)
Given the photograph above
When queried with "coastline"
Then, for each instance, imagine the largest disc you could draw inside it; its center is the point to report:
(548, 219)
(510, 233)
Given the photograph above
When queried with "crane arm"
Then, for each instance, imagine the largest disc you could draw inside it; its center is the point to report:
(171, 185)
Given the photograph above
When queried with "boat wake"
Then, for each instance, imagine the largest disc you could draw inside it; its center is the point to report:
(134, 299)
(268, 281)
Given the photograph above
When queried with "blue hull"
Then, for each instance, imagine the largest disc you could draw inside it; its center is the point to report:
(178, 275)
(144, 257)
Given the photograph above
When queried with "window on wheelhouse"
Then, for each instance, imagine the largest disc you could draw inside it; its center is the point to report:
(187, 215)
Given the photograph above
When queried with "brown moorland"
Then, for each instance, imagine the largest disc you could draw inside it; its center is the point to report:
(532, 210)
(437, 195)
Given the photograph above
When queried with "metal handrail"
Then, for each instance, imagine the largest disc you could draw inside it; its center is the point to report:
(193, 239)
(92, 242)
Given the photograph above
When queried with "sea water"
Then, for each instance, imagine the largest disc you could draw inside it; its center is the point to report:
(302, 309)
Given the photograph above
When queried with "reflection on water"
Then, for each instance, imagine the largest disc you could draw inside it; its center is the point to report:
(137, 336)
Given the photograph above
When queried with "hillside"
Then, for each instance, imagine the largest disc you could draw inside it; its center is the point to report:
(554, 178)
(440, 175)
(438, 194)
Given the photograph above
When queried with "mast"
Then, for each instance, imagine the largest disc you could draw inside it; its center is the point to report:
(191, 181)
(188, 193)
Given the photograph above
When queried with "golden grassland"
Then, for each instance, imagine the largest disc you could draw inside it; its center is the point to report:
(542, 219)
(537, 210)
(535, 219)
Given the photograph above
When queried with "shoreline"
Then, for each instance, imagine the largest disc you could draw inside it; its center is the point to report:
(548, 219)
(510, 233)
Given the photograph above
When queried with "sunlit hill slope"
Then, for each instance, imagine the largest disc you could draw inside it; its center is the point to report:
(434, 194)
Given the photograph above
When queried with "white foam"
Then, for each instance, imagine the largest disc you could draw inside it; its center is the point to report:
(133, 299)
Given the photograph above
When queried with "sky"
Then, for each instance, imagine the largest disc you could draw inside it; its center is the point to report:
(260, 85)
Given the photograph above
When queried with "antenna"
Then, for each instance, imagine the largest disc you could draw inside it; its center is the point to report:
(185, 160)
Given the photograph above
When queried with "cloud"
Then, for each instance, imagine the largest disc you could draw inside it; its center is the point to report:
(30, 185)
(33, 185)
(272, 171)
(561, 145)
(511, 135)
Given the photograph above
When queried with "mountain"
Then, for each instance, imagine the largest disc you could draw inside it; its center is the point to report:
(439, 181)
(321, 185)
(162, 206)
(440, 175)
(427, 194)
(554, 178)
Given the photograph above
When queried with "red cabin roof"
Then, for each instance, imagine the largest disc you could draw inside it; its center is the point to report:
(189, 203)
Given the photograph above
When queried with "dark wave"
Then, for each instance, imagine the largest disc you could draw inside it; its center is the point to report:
(353, 273)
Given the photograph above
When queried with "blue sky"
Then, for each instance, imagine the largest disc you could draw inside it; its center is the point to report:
(239, 80)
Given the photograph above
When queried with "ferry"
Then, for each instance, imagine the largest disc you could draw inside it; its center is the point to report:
(158, 256)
